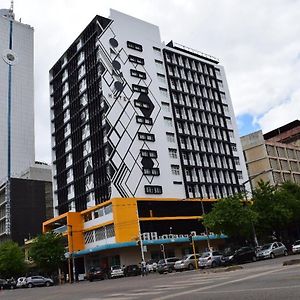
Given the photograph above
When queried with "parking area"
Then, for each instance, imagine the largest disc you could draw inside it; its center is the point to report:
(161, 286)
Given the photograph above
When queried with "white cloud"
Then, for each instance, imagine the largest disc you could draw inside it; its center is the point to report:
(257, 42)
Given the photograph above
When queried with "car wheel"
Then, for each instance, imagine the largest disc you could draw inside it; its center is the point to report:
(191, 267)
(285, 253)
(47, 283)
(272, 255)
(30, 285)
(213, 264)
(254, 258)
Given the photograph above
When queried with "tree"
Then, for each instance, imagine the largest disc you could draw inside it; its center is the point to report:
(48, 251)
(232, 217)
(11, 260)
(274, 207)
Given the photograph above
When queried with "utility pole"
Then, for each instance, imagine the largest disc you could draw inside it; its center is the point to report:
(140, 236)
(192, 242)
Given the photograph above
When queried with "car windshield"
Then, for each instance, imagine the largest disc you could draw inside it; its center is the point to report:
(205, 254)
(297, 243)
(185, 257)
(115, 267)
(265, 247)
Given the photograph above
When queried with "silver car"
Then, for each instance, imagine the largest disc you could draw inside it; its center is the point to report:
(272, 250)
(188, 262)
(296, 247)
(210, 259)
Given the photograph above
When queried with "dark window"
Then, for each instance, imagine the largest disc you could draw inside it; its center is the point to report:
(134, 46)
(139, 88)
(156, 49)
(153, 189)
(144, 120)
(137, 74)
(140, 104)
(143, 136)
(177, 182)
(151, 171)
(148, 153)
(137, 60)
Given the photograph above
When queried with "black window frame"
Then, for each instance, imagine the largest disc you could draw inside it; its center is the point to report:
(148, 153)
(136, 60)
(151, 171)
(144, 120)
(149, 137)
(139, 88)
(134, 46)
(141, 104)
(138, 74)
(151, 189)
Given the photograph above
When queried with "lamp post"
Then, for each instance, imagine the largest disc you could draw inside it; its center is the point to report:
(246, 198)
(71, 249)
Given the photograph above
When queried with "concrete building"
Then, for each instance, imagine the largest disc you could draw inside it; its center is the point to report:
(16, 93)
(273, 156)
(135, 121)
(31, 202)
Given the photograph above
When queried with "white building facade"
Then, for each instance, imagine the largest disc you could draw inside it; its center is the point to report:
(16, 49)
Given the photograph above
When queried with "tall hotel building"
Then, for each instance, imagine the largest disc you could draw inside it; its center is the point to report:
(132, 117)
(16, 88)
(143, 139)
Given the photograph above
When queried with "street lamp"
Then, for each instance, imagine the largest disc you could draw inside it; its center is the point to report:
(71, 250)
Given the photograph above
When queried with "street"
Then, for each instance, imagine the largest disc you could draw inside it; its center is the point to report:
(266, 279)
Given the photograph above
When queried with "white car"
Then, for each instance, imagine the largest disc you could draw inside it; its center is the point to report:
(210, 259)
(296, 247)
(21, 282)
(188, 262)
(272, 250)
(116, 271)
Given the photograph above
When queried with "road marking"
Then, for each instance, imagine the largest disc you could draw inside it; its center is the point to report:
(219, 284)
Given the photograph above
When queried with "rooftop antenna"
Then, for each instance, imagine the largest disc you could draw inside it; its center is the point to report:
(11, 9)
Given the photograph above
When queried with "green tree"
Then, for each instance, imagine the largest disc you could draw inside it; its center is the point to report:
(232, 217)
(274, 207)
(48, 251)
(11, 260)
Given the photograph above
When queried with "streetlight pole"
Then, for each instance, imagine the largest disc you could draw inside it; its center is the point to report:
(246, 198)
(70, 247)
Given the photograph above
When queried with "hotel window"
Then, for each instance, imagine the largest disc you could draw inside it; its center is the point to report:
(172, 153)
(165, 106)
(237, 161)
(148, 153)
(81, 71)
(139, 89)
(233, 147)
(168, 121)
(87, 148)
(134, 46)
(140, 104)
(151, 171)
(84, 116)
(159, 64)
(82, 85)
(156, 49)
(137, 60)
(175, 169)
(146, 137)
(83, 100)
(153, 189)
(161, 77)
(65, 88)
(144, 120)
(170, 137)
(138, 74)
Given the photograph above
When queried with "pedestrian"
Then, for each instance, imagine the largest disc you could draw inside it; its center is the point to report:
(144, 268)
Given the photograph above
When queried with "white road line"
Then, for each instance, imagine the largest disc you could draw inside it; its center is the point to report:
(219, 284)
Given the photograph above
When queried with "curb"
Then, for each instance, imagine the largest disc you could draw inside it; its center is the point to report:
(291, 262)
(228, 269)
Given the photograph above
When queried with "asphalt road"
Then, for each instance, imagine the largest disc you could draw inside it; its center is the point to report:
(261, 280)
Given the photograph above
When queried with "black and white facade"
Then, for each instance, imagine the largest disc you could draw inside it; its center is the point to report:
(132, 117)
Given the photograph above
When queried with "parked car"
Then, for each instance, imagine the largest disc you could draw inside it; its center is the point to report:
(166, 265)
(241, 255)
(97, 273)
(296, 247)
(271, 250)
(7, 284)
(152, 265)
(116, 271)
(33, 281)
(132, 270)
(21, 282)
(188, 262)
(210, 259)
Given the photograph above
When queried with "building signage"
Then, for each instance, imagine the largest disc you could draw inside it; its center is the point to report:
(151, 236)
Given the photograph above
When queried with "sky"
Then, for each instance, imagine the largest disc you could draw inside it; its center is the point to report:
(258, 43)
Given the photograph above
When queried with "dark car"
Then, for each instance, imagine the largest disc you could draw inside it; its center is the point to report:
(97, 273)
(33, 281)
(166, 265)
(132, 270)
(241, 255)
(7, 284)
